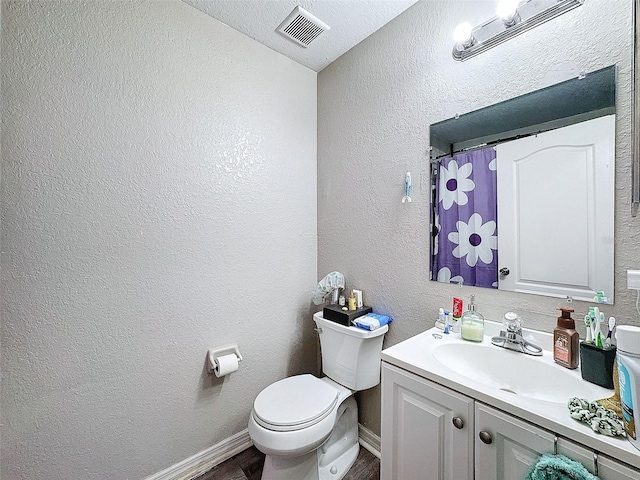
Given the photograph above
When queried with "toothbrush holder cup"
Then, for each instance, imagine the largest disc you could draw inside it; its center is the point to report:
(597, 364)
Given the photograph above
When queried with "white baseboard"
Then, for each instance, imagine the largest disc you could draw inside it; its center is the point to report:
(369, 440)
(204, 461)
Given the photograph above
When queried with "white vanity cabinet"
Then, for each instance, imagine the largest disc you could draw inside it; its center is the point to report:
(420, 438)
(426, 429)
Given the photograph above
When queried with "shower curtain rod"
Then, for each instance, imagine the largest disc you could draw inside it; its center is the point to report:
(488, 144)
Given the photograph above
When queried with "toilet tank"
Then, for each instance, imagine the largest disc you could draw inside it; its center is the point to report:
(350, 355)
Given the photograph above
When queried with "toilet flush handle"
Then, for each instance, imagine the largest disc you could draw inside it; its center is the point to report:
(319, 330)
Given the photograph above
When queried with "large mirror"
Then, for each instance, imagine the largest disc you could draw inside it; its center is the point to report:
(523, 192)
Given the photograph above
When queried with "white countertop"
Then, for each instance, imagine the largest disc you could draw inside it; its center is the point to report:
(415, 355)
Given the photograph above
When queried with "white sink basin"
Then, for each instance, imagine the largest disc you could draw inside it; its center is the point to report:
(516, 373)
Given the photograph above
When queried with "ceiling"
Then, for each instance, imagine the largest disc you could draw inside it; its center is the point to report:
(351, 21)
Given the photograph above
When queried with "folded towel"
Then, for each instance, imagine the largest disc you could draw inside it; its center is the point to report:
(600, 419)
(558, 467)
(372, 321)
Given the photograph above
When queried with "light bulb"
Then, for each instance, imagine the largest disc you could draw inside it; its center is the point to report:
(462, 33)
(507, 10)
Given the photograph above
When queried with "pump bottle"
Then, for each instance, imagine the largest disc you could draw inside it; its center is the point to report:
(566, 341)
(472, 323)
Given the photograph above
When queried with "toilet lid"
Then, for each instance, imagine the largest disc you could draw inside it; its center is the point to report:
(294, 403)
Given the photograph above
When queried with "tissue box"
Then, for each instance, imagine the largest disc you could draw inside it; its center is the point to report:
(597, 364)
(336, 314)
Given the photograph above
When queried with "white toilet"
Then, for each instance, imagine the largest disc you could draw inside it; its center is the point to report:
(308, 427)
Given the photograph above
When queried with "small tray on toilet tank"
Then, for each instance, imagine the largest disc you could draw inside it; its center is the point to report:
(336, 314)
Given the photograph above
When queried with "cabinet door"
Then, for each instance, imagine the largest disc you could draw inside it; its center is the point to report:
(605, 468)
(610, 469)
(578, 453)
(505, 447)
(419, 437)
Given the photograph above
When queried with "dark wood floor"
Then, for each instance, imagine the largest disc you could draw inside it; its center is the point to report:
(247, 465)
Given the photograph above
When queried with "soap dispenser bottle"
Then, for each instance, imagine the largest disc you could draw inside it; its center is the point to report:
(566, 341)
(472, 323)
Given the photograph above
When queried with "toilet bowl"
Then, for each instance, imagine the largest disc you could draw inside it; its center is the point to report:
(295, 415)
(307, 426)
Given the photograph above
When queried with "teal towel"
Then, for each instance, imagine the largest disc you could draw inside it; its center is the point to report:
(558, 467)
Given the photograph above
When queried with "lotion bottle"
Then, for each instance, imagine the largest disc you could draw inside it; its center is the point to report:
(566, 341)
(352, 302)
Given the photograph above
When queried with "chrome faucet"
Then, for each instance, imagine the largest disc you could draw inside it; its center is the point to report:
(512, 338)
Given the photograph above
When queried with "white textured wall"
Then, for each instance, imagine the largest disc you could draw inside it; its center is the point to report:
(158, 199)
(375, 105)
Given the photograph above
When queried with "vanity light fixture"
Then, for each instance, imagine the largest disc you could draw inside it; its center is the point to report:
(513, 17)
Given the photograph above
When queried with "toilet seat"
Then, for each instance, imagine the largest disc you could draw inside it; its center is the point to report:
(295, 403)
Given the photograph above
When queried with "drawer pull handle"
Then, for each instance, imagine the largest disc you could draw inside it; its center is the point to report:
(458, 422)
(485, 437)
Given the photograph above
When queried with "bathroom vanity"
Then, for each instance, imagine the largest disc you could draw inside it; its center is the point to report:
(459, 410)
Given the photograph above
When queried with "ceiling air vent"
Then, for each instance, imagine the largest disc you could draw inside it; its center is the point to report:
(302, 27)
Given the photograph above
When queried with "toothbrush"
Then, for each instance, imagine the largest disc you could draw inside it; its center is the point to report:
(592, 325)
(407, 188)
(447, 322)
(601, 335)
(587, 323)
(597, 334)
(612, 324)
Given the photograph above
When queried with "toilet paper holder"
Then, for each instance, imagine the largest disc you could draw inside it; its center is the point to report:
(213, 353)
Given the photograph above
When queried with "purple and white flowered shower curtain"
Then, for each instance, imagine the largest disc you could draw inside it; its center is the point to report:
(466, 244)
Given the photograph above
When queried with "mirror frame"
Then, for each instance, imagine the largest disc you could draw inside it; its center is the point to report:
(635, 167)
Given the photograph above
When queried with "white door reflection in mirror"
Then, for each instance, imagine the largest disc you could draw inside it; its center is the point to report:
(555, 211)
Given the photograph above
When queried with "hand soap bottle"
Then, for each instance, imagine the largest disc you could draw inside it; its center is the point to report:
(566, 341)
(472, 323)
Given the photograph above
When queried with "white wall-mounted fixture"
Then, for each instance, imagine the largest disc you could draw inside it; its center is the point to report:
(223, 360)
(633, 283)
(633, 279)
(513, 17)
(302, 27)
